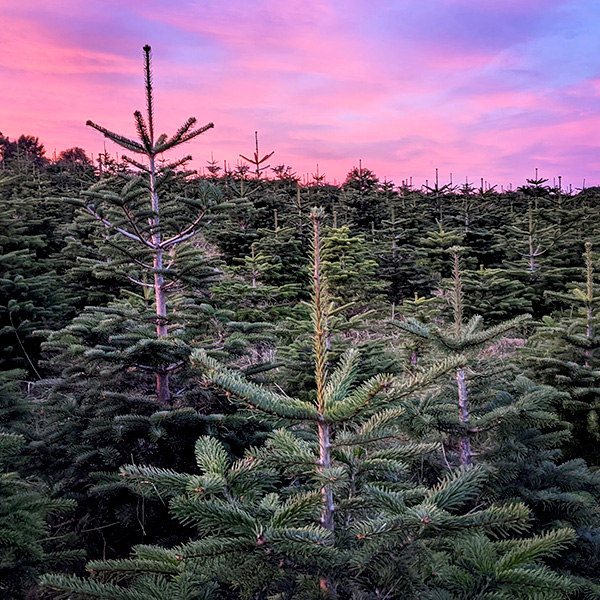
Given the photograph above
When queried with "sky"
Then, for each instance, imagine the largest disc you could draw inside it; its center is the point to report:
(488, 89)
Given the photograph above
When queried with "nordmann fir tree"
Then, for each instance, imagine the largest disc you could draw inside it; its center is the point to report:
(466, 339)
(564, 352)
(148, 236)
(330, 507)
(123, 389)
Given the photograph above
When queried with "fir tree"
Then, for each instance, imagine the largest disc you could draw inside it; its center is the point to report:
(345, 521)
(365, 205)
(466, 338)
(564, 352)
(120, 386)
(351, 274)
(148, 232)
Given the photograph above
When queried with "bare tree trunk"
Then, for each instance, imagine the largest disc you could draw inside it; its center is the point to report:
(325, 463)
(531, 256)
(464, 444)
(588, 335)
(163, 393)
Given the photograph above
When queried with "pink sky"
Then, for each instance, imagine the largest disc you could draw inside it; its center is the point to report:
(491, 89)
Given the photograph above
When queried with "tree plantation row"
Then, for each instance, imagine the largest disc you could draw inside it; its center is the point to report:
(237, 386)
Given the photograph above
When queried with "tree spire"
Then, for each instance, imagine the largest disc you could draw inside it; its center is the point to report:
(149, 90)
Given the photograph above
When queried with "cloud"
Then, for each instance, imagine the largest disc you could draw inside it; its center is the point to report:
(491, 88)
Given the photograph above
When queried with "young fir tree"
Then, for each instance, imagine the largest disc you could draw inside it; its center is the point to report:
(253, 307)
(150, 234)
(123, 388)
(244, 214)
(328, 508)
(351, 274)
(523, 453)
(517, 433)
(529, 240)
(436, 245)
(467, 338)
(354, 296)
(362, 200)
(285, 252)
(26, 544)
(564, 352)
(399, 253)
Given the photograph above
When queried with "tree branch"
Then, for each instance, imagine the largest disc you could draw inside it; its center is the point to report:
(138, 282)
(186, 234)
(127, 212)
(112, 226)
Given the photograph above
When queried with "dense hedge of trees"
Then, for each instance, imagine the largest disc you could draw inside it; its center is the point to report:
(239, 385)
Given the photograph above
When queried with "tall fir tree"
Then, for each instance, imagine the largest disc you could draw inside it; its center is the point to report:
(119, 385)
(151, 234)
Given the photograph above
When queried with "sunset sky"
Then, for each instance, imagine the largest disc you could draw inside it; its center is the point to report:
(477, 88)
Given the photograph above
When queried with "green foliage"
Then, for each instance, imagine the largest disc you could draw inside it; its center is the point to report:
(329, 504)
(374, 420)
(564, 352)
(31, 296)
(25, 509)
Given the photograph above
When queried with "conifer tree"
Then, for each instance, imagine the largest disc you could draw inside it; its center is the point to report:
(467, 338)
(120, 387)
(328, 507)
(530, 241)
(351, 274)
(365, 205)
(436, 246)
(257, 161)
(399, 253)
(515, 430)
(564, 352)
(146, 230)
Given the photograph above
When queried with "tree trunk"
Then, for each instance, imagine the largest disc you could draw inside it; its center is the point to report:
(325, 463)
(163, 393)
(464, 445)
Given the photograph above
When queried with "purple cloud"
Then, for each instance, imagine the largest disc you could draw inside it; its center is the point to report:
(489, 89)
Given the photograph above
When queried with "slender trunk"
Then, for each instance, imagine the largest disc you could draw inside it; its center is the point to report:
(325, 463)
(162, 376)
(160, 297)
(589, 331)
(532, 252)
(465, 454)
(254, 272)
(588, 334)
(531, 256)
